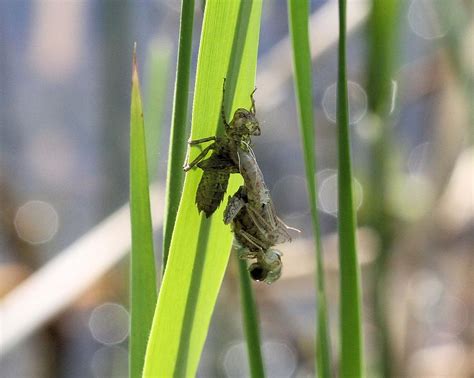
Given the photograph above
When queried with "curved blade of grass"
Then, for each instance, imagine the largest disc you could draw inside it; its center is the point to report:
(179, 126)
(250, 320)
(200, 247)
(142, 267)
(159, 54)
(298, 12)
(350, 318)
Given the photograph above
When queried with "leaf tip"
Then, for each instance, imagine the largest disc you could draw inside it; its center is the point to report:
(134, 65)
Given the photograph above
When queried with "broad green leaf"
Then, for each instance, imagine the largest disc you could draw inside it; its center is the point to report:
(298, 12)
(200, 247)
(142, 275)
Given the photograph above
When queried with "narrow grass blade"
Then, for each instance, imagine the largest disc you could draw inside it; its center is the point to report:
(142, 274)
(350, 318)
(159, 56)
(179, 126)
(298, 12)
(200, 247)
(250, 320)
(383, 48)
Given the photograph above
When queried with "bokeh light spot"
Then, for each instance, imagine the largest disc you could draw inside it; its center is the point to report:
(235, 361)
(327, 195)
(369, 128)
(357, 102)
(36, 222)
(426, 20)
(280, 360)
(109, 323)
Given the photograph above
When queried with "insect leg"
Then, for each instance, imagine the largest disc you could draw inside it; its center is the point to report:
(252, 240)
(279, 228)
(201, 156)
(253, 110)
(202, 140)
(234, 205)
(275, 229)
(270, 211)
(226, 125)
(266, 230)
(260, 222)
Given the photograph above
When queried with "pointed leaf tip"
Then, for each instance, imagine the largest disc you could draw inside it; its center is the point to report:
(135, 80)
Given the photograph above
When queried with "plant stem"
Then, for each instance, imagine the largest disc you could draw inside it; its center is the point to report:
(298, 12)
(250, 320)
(179, 126)
(383, 29)
(350, 317)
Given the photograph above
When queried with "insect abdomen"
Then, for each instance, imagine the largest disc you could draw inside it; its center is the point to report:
(211, 190)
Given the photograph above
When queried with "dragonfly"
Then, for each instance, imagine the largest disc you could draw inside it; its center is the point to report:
(222, 162)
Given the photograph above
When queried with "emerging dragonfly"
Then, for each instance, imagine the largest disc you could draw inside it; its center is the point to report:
(222, 162)
(250, 211)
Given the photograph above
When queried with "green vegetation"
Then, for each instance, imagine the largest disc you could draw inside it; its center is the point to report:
(196, 249)
(142, 274)
(298, 20)
(179, 129)
(197, 259)
(350, 307)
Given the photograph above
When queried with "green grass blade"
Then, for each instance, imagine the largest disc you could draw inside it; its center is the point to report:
(250, 320)
(200, 247)
(383, 51)
(298, 12)
(159, 55)
(179, 128)
(350, 318)
(142, 274)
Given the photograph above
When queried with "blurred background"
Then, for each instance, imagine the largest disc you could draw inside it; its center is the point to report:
(65, 71)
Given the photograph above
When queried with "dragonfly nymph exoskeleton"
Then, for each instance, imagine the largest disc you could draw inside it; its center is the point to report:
(222, 162)
(250, 211)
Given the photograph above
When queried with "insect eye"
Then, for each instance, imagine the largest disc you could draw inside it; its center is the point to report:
(257, 272)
